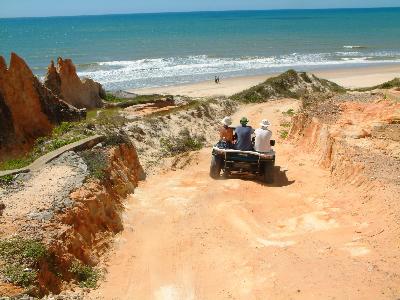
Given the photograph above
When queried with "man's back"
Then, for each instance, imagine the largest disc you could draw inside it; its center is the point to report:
(243, 141)
(262, 142)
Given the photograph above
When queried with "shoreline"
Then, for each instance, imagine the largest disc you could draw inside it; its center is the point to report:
(354, 77)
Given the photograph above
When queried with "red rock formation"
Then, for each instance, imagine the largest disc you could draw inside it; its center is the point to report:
(27, 109)
(65, 83)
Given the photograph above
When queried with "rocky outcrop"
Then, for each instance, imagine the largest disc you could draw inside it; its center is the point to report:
(27, 108)
(74, 205)
(64, 82)
(361, 143)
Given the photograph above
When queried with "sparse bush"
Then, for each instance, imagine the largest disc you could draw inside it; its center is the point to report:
(64, 127)
(184, 142)
(286, 124)
(20, 275)
(394, 83)
(282, 86)
(20, 249)
(6, 180)
(86, 275)
(283, 134)
(21, 259)
(289, 112)
(96, 161)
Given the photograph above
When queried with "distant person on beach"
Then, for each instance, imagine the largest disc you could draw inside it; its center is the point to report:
(216, 80)
(226, 132)
(263, 137)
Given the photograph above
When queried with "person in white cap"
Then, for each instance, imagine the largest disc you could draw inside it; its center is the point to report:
(263, 137)
(226, 132)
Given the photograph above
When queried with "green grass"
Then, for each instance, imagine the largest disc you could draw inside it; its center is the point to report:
(6, 180)
(290, 112)
(64, 127)
(283, 133)
(19, 275)
(16, 163)
(21, 259)
(62, 135)
(41, 147)
(86, 275)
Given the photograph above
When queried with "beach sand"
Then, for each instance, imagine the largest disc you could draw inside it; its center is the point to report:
(347, 77)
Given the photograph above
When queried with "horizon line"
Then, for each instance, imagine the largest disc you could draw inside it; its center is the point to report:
(198, 11)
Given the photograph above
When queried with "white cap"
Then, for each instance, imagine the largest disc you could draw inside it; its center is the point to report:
(226, 121)
(265, 123)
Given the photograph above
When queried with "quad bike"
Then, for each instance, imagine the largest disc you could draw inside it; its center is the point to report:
(242, 162)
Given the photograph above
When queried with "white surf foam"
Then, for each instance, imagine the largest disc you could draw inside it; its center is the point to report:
(172, 70)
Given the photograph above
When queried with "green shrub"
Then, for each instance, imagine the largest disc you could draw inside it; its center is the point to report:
(184, 142)
(84, 274)
(96, 161)
(283, 134)
(64, 127)
(20, 275)
(394, 83)
(6, 180)
(289, 112)
(23, 250)
(21, 259)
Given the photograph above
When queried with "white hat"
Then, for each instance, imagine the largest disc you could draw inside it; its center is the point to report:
(226, 121)
(265, 123)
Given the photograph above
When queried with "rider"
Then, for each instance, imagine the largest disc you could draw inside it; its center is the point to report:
(263, 137)
(243, 136)
(226, 132)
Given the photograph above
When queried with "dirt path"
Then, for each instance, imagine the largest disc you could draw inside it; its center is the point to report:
(188, 236)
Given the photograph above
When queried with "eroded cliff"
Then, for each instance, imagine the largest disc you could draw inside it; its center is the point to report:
(27, 108)
(64, 82)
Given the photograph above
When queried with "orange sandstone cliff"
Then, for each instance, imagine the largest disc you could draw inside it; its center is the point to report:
(64, 82)
(27, 108)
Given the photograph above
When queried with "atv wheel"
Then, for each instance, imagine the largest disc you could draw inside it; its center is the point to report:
(269, 172)
(215, 168)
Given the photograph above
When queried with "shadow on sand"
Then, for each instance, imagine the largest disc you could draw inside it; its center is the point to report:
(279, 181)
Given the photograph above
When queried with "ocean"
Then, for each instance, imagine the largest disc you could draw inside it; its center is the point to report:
(148, 50)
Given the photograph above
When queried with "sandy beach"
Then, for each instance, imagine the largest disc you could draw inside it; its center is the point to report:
(347, 77)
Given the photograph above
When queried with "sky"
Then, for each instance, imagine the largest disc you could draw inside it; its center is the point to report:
(44, 8)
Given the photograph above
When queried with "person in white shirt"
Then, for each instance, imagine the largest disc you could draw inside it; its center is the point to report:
(263, 137)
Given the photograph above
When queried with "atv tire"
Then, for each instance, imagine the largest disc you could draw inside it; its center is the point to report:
(215, 168)
(269, 172)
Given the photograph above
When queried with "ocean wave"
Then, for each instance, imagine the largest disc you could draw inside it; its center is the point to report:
(355, 47)
(172, 70)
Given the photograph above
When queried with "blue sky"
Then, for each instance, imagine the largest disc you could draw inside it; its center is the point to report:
(35, 8)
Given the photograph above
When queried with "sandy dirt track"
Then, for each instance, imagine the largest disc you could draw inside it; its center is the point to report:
(188, 236)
